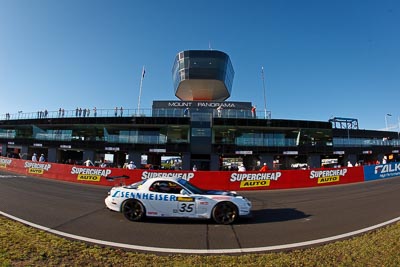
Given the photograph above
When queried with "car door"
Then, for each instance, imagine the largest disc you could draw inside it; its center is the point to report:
(169, 202)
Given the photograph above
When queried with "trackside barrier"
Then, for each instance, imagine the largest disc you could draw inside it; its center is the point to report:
(223, 180)
(382, 171)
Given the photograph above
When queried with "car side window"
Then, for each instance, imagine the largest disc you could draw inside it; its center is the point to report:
(165, 187)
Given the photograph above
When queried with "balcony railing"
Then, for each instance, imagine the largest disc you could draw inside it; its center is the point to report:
(92, 113)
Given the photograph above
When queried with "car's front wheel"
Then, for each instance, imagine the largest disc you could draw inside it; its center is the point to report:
(133, 210)
(225, 213)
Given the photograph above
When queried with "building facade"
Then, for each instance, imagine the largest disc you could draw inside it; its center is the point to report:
(201, 129)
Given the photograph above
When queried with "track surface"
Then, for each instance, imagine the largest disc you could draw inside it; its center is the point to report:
(280, 217)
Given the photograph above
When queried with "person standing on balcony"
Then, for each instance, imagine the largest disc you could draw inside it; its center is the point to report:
(186, 112)
(253, 111)
(219, 111)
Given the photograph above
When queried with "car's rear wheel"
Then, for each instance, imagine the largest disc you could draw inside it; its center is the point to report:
(133, 210)
(225, 213)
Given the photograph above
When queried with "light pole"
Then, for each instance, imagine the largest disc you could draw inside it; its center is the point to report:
(386, 120)
(398, 128)
(265, 99)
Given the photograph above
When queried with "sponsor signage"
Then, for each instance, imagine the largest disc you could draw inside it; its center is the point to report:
(367, 152)
(243, 152)
(158, 150)
(201, 105)
(328, 176)
(338, 152)
(208, 180)
(11, 143)
(249, 180)
(37, 168)
(395, 151)
(290, 152)
(90, 174)
(111, 148)
(382, 171)
(38, 145)
(65, 146)
(4, 162)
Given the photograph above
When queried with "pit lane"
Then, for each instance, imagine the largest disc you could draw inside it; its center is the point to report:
(282, 219)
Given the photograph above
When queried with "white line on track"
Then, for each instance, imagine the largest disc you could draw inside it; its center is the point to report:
(202, 251)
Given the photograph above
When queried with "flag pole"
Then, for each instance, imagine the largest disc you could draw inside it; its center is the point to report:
(265, 99)
(140, 90)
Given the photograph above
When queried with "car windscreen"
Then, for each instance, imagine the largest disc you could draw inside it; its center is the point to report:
(135, 185)
(194, 189)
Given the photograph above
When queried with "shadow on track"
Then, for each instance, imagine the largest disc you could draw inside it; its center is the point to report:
(258, 217)
(276, 215)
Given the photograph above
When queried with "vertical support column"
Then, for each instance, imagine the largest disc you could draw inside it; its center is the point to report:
(314, 161)
(24, 152)
(214, 162)
(3, 150)
(186, 161)
(52, 154)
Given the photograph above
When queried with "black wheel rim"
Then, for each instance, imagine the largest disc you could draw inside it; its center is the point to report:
(225, 213)
(133, 210)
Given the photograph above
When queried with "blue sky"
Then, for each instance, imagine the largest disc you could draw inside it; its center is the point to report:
(321, 58)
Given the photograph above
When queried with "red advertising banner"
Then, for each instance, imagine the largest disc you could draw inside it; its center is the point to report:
(223, 180)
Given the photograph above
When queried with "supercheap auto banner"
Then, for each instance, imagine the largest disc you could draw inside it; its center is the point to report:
(224, 180)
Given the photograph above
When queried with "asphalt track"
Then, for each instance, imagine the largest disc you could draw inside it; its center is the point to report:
(282, 219)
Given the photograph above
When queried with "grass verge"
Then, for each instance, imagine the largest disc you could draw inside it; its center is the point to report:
(21, 245)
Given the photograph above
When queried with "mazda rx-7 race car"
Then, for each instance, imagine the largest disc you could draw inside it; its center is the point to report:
(176, 197)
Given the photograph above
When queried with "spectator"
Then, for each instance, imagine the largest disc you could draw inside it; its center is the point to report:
(186, 112)
(34, 157)
(219, 111)
(242, 168)
(103, 164)
(131, 166)
(349, 164)
(194, 168)
(42, 158)
(264, 168)
(121, 111)
(88, 163)
(253, 111)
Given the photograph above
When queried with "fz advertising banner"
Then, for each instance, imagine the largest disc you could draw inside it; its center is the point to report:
(382, 171)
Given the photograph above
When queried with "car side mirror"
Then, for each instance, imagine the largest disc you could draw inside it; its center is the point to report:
(184, 192)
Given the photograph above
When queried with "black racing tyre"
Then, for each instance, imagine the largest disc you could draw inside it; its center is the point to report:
(225, 213)
(133, 210)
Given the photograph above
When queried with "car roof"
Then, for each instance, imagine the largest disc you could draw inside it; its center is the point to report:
(172, 179)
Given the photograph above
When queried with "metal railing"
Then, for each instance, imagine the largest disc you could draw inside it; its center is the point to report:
(147, 112)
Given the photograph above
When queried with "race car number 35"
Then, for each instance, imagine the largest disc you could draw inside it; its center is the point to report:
(185, 207)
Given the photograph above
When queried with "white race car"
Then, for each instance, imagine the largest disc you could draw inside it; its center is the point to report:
(176, 197)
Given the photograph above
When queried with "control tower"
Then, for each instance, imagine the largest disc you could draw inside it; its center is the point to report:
(202, 75)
